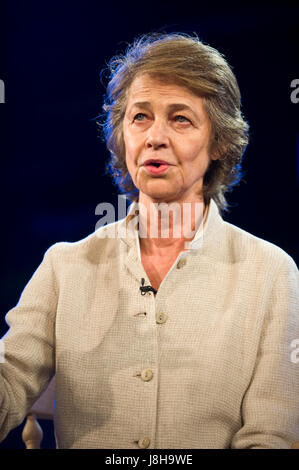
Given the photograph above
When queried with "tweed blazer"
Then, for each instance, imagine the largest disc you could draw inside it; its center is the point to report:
(210, 361)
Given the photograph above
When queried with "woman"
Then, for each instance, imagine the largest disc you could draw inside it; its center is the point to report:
(181, 341)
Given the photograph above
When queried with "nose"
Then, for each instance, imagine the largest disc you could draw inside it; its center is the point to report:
(157, 136)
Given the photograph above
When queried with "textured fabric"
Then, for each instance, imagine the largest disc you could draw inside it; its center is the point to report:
(222, 370)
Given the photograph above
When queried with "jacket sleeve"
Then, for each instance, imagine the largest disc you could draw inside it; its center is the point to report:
(270, 408)
(27, 360)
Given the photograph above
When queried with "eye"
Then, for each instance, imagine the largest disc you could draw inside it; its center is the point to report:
(180, 118)
(139, 117)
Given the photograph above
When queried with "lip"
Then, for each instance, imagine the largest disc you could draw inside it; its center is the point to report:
(156, 166)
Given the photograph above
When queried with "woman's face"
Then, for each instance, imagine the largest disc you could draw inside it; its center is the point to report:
(167, 135)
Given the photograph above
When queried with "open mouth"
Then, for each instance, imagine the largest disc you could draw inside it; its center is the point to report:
(156, 164)
(156, 167)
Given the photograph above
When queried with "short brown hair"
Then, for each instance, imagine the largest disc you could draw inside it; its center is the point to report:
(203, 70)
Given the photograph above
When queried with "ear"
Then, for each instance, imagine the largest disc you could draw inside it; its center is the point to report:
(216, 155)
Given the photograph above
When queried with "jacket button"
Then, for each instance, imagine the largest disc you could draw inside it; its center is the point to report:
(143, 443)
(146, 375)
(181, 263)
(161, 317)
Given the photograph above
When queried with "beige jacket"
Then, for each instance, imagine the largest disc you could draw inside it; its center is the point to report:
(209, 362)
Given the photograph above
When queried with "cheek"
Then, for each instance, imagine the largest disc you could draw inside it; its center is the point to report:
(130, 156)
(197, 149)
(130, 145)
(130, 161)
(190, 152)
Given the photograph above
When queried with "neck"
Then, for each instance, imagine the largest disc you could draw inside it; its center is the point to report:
(168, 225)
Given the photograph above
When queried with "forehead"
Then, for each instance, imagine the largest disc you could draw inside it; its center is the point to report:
(146, 88)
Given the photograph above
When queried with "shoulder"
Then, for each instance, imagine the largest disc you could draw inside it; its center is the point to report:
(103, 242)
(255, 249)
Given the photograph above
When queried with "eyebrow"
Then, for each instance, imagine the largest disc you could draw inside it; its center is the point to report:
(172, 107)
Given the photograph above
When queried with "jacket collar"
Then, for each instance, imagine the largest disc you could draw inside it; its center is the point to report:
(206, 242)
(128, 227)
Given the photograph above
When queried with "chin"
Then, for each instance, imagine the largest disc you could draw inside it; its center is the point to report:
(161, 196)
(158, 190)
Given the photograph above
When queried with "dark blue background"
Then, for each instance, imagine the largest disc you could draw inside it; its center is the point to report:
(52, 159)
